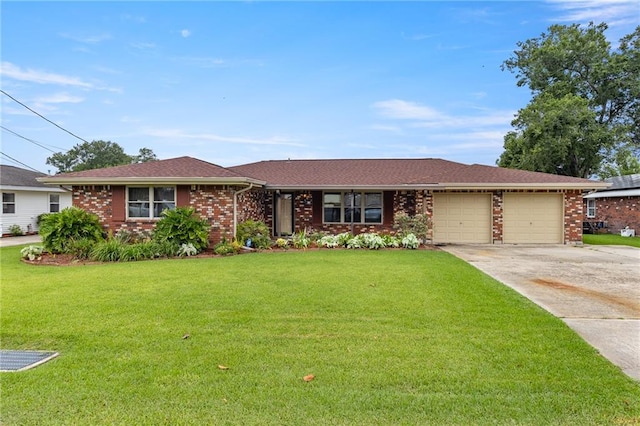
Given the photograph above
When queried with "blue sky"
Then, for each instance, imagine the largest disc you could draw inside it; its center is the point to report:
(237, 82)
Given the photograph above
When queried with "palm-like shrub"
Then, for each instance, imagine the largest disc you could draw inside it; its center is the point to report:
(182, 226)
(60, 230)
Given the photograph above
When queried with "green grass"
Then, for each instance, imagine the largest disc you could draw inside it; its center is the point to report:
(610, 240)
(393, 337)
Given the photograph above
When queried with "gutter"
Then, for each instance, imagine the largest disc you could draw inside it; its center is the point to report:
(235, 206)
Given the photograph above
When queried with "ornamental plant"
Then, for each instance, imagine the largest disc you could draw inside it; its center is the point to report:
(256, 231)
(418, 225)
(182, 226)
(32, 252)
(410, 241)
(59, 230)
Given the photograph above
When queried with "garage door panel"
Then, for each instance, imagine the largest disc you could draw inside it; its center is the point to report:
(462, 218)
(533, 218)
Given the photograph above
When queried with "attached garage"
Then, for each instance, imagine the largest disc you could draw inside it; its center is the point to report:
(462, 218)
(536, 218)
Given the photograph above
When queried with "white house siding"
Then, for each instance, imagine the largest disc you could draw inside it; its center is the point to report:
(29, 205)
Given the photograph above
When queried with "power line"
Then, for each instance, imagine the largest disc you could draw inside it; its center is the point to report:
(27, 139)
(42, 116)
(19, 162)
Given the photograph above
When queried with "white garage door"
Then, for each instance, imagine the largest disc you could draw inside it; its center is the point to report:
(462, 218)
(533, 218)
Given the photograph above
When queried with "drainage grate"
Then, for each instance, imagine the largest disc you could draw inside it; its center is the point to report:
(23, 360)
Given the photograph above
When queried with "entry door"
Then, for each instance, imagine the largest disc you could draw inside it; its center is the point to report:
(284, 214)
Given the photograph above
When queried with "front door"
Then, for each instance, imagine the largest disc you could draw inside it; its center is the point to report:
(284, 214)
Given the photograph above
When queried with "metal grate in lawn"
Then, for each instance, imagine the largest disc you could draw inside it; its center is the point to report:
(23, 360)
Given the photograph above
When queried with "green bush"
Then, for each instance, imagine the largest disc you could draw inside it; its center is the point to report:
(256, 231)
(81, 249)
(417, 225)
(15, 230)
(32, 252)
(182, 226)
(110, 250)
(58, 230)
(224, 248)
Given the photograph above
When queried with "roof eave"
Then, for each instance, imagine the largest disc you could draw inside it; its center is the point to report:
(285, 187)
(526, 186)
(61, 180)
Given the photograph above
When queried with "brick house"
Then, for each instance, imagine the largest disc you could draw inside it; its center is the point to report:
(466, 203)
(616, 207)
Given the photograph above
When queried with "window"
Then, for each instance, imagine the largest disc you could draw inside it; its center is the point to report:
(347, 207)
(54, 203)
(591, 208)
(149, 202)
(8, 202)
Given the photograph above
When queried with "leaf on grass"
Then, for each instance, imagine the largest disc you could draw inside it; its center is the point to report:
(308, 377)
(186, 336)
(222, 367)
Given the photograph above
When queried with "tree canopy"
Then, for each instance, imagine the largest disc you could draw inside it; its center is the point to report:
(584, 115)
(96, 155)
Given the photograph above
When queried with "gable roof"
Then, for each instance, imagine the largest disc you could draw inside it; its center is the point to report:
(185, 170)
(401, 173)
(16, 179)
(621, 186)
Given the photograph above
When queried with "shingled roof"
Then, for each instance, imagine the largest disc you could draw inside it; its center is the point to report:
(11, 176)
(187, 170)
(400, 173)
(326, 174)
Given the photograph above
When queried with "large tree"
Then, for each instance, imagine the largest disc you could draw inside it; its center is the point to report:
(96, 155)
(585, 110)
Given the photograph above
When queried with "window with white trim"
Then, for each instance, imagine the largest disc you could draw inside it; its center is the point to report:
(54, 203)
(8, 202)
(149, 201)
(352, 207)
(591, 208)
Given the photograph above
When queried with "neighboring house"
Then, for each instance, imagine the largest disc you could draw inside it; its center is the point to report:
(616, 207)
(24, 199)
(466, 203)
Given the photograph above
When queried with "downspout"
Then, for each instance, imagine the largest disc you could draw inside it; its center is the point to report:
(235, 206)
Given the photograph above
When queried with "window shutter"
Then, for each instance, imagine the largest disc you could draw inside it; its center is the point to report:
(182, 196)
(118, 203)
(316, 197)
(387, 207)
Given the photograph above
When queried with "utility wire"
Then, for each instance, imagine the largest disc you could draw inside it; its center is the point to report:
(19, 162)
(42, 116)
(27, 139)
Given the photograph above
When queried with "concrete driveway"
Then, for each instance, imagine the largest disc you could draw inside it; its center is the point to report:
(595, 290)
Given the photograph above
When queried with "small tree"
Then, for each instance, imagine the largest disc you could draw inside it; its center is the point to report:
(417, 225)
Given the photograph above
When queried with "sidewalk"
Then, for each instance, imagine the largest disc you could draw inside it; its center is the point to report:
(18, 241)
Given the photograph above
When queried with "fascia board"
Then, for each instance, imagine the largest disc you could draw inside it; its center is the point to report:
(31, 188)
(618, 193)
(525, 186)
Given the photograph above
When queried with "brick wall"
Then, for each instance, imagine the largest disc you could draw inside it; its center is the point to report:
(618, 212)
(573, 216)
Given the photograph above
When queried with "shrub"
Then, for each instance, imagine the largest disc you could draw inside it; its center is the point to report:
(32, 252)
(224, 248)
(329, 241)
(256, 231)
(372, 241)
(417, 225)
(282, 243)
(182, 226)
(110, 250)
(58, 230)
(390, 241)
(410, 241)
(15, 230)
(187, 250)
(301, 240)
(81, 249)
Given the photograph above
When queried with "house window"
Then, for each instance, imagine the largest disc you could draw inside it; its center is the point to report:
(356, 207)
(54, 203)
(591, 208)
(149, 202)
(8, 202)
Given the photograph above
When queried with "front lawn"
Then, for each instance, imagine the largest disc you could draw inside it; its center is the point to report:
(392, 337)
(610, 240)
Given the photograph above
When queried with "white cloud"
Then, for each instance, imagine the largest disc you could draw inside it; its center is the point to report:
(422, 116)
(185, 33)
(10, 70)
(613, 12)
(87, 39)
(59, 98)
(179, 134)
